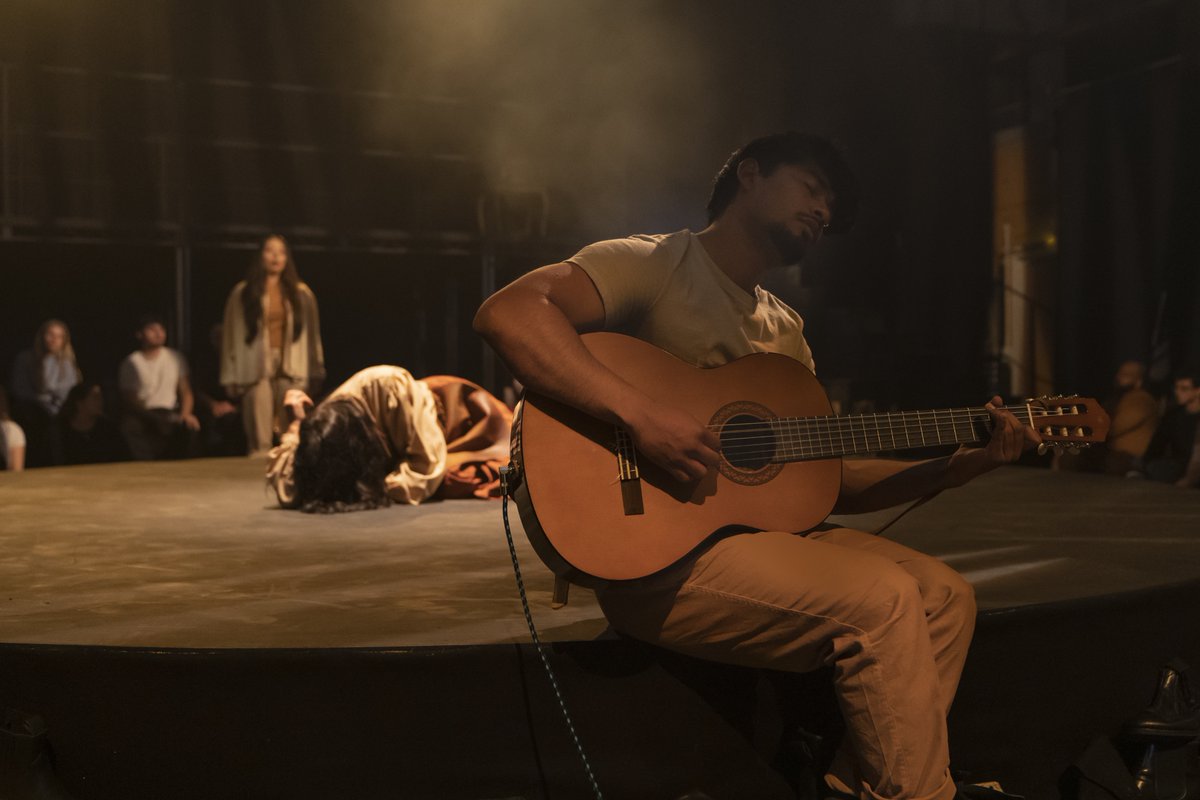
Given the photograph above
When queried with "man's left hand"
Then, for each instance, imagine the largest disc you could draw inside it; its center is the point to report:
(190, 421)
(1009, 437)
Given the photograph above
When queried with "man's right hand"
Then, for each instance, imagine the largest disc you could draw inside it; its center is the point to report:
(676, 441)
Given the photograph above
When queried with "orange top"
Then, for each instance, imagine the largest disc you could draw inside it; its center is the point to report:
(276, 316)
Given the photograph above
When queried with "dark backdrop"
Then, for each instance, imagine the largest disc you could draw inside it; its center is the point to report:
(369, 131)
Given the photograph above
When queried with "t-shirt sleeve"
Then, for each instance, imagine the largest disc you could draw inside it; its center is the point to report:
(181, 360)
(629, 274)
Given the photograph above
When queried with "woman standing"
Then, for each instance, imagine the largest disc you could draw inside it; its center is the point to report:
(41, 378)
(271, 341)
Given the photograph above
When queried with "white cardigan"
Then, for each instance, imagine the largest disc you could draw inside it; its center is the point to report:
(246, 364)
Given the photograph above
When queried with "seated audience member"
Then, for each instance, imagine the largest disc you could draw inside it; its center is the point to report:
(89, 436)
(384, 437)
(222, 429)
(1134, 415)
(41, 378)
(1173, 455)
(12, 439)
(157, 421)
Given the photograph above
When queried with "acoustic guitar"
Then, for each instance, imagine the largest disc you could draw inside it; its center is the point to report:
(595, 512)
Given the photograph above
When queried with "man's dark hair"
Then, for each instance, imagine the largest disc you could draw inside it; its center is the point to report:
(341, 462)
(804, 149)
(150, 318)
(1189, 372)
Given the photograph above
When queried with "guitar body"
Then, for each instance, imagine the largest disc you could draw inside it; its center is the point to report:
(592, 527)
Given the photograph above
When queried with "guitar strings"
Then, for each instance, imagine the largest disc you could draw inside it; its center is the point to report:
(804, 436)
(876, 424)
(1021, 412)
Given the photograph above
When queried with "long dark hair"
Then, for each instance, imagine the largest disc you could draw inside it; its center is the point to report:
(342, 461)
(256, 284)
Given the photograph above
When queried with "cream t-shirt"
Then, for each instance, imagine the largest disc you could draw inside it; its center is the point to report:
(155, 381)
(666, 290)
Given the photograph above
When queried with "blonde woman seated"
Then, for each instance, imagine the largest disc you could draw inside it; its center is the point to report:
(384, 437)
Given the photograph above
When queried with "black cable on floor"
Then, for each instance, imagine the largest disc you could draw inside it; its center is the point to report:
(537, 642)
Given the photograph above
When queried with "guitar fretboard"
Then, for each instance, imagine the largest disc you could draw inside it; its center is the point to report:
(787, 439)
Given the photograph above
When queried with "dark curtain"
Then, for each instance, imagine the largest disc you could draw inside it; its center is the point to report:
(1129, 228)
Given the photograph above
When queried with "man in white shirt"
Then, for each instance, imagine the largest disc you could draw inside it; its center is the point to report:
(158, 421)
(894, 624)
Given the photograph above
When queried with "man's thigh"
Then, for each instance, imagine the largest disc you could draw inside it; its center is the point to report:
(765, 599)
(932, 574)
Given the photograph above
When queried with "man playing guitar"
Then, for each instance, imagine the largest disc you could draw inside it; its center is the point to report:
(894, 624)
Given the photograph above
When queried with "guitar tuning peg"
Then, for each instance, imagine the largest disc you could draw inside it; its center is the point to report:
(1073, 450)
(1043, 448)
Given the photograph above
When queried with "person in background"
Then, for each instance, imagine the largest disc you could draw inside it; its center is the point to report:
(1173, 455)
(271, 342)
(41, 378)
(158, 420)
(1134, 415)
(220, 418)
(89, 436)
(12, 439)
(384, 437)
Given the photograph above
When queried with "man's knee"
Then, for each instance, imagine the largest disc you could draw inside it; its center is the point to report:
(897, 597)
(946, 590)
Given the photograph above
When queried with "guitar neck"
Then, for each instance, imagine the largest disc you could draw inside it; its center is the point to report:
(806, 438)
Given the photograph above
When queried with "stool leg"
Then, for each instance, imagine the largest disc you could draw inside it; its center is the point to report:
(562, 588)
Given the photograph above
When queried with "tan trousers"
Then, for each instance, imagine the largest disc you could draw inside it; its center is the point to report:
(262, 405)
(893, 623)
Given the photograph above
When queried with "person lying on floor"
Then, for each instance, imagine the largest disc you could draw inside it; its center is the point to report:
(384, 437)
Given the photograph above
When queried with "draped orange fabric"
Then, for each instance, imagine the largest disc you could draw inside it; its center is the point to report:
(477, 427)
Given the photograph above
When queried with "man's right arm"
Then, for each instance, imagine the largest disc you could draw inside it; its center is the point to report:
(534, 325)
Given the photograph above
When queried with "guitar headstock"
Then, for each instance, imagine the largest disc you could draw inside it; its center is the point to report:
(1067, 421)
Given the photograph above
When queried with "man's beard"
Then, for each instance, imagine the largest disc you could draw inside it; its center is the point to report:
(790, 247)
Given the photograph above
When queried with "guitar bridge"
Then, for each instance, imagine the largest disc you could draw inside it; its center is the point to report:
(631, 482)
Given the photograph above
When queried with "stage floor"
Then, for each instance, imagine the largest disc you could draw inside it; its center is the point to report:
(196, 554)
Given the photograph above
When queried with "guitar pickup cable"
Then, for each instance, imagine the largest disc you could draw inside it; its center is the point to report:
(505, 472)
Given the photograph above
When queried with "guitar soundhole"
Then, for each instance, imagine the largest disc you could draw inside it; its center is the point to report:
(747, 442)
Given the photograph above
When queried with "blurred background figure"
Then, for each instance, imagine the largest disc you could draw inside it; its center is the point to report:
(89, 435)
(221, 427)
(1134, 413)
(41, 378)
(12, 439)
(158, 419)
(1172, 455)
(271, 342)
